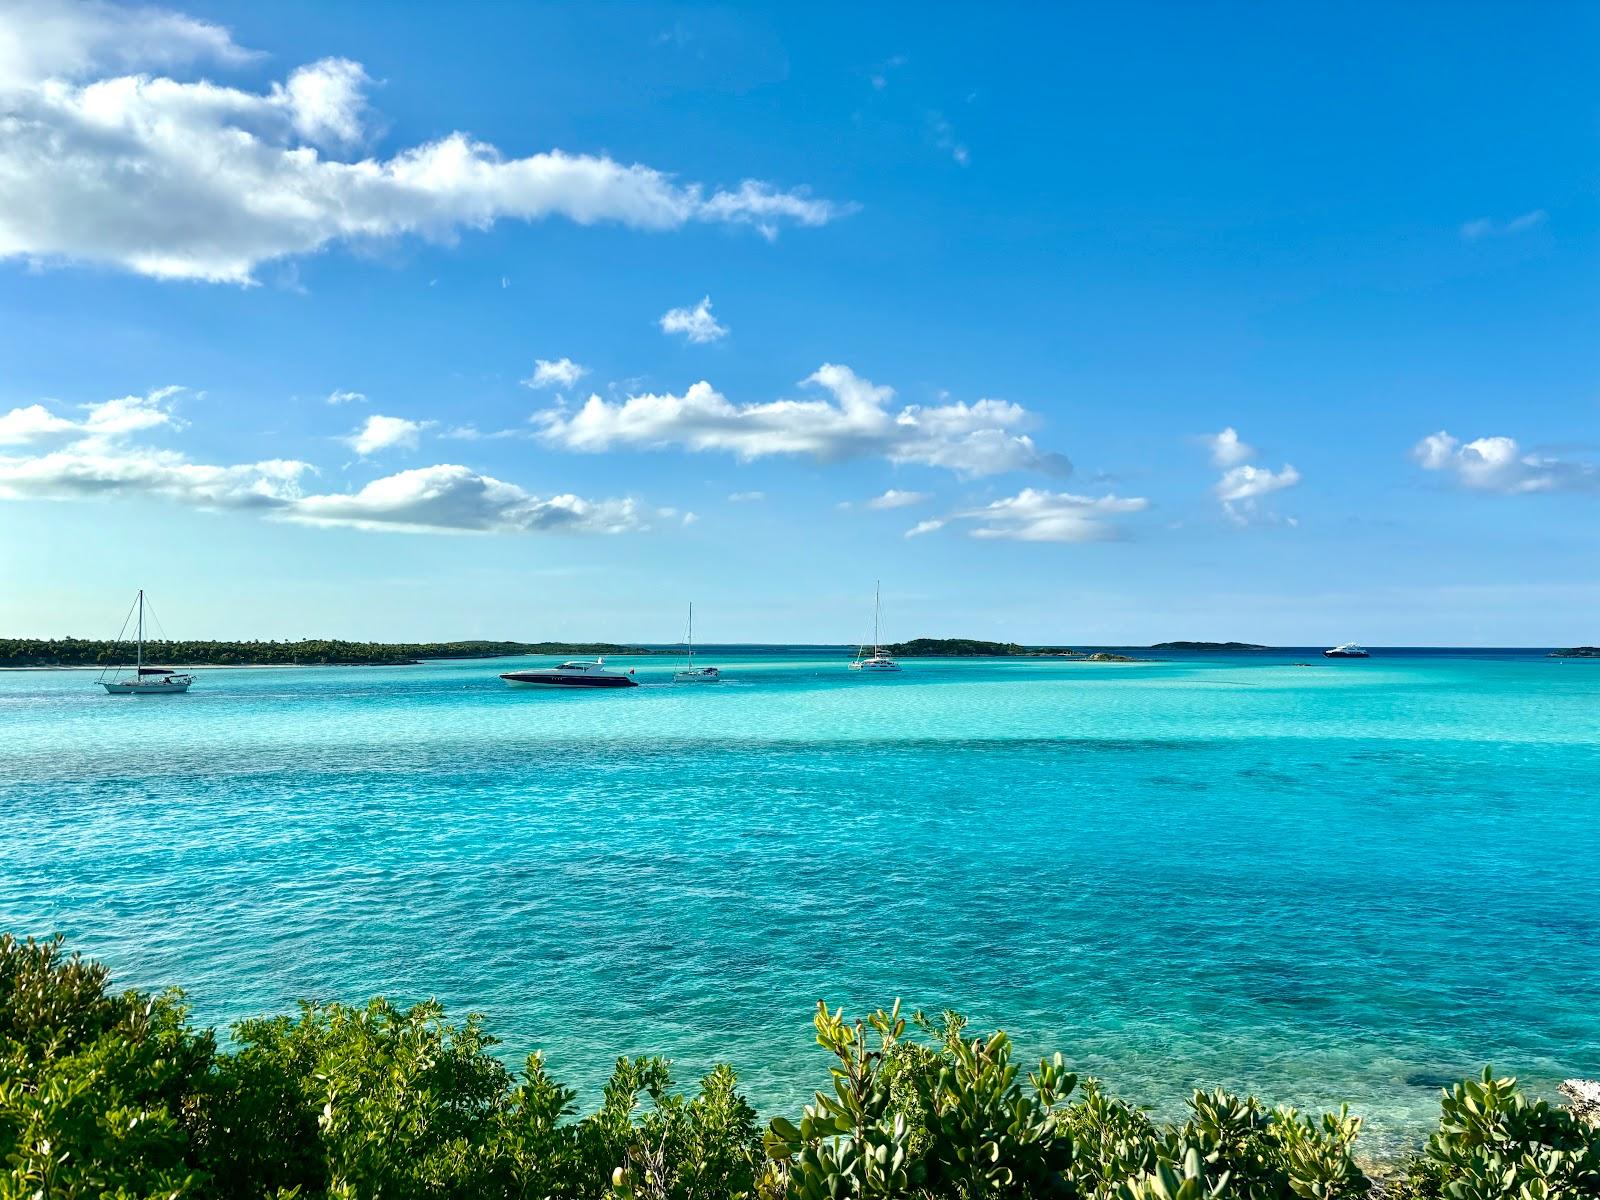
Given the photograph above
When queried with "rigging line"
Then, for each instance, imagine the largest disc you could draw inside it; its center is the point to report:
(112, 666)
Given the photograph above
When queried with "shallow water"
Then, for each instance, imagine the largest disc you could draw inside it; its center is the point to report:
(1341, 881)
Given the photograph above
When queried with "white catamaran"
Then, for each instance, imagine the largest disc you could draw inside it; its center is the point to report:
(879, 660)
(690, 673)
(145, 681)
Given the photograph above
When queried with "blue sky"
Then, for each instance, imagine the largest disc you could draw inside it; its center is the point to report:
(1074, 324)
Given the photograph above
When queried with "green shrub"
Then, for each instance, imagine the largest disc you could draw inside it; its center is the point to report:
(113, 1096)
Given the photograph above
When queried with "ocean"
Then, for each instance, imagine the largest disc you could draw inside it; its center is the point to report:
(1336, 881)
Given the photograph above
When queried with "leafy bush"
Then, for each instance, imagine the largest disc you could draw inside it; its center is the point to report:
(114, 1096)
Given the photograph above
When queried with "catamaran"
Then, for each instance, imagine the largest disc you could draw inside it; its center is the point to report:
(689, 673)
(145, 681)
(879, 660)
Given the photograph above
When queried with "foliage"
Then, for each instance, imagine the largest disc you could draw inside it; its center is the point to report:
(1493, 1143)
(973, 648)
(114, 1096)
(79, 652)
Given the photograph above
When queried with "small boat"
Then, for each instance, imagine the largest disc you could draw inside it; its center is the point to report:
(689, 673)
(145, 681)
(879, 661)
(1348, 650)
(575, 674)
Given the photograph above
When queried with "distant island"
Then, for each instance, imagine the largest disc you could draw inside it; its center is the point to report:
(973, 648)
(1208, 646)
(1577, 652)
(331, 652)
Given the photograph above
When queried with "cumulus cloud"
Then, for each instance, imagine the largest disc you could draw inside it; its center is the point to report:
(1241, 488)
(856, 422)
(385, 433)
(1485, 227)
(1035, 515)
(696, 324)
(1499, 464)
(921, 527)
(107, 419)
(41, 39)
(198, 180)
(1227, 449)
(895, 498)
(562, 372)
(340, 397)
(456, 499)
(99, 457)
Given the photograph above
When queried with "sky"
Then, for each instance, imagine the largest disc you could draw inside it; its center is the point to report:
(1071, 324)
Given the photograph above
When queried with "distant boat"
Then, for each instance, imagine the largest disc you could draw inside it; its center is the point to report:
(1348, 650)
(879, 661)
(690, 673)
(576, 674)
(145, 681)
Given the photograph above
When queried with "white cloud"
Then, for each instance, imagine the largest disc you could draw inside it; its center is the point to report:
(41, 39)
(696, 324)
(105, 420)
(746, 497)
(944, 138)
(922, 527)
(198, 180)
(970, 439)
(1240, 488)
(95, 471)
(1484, 227)
(340, 397)
(385, 433)
(455, 499)
(101, 460)
(894, 498)
(563, 372)
(1226, 448)
(1498, 464)
(1034, 515)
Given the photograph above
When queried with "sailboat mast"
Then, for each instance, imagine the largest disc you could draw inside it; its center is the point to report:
(139, 653)
(691, 633)
(877, 604)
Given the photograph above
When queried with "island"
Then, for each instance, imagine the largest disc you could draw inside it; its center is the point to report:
(1577, 652)
(1208, 646)
(973, 648)
(307, 652)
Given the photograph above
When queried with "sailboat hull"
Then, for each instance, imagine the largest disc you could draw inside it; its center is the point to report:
(698, 675)
(135, 687)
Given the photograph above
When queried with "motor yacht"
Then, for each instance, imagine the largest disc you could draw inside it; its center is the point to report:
(1348, 650)
(575, 674)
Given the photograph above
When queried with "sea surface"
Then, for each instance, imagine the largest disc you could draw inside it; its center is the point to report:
(1324, 882)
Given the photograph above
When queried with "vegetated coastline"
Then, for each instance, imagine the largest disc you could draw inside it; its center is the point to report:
(308, 652)
(1577, 652)
(1208, 646)
(117, 1093)
(974, 648)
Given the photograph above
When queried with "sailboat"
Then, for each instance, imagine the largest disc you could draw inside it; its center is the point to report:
(879, 660)
(690, 673)
(145, 681)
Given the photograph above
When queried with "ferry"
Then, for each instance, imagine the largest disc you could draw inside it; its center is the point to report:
(575, 674)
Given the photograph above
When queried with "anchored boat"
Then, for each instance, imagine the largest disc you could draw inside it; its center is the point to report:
(879, 661)
(1348, 650)
(145, 681)
(576, 674)
(689, 673)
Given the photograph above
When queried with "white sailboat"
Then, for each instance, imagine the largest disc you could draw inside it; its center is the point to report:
(690, 673)
(145, 681)
(879, 661)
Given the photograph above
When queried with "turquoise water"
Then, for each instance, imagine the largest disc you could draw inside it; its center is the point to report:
(1346, 880)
